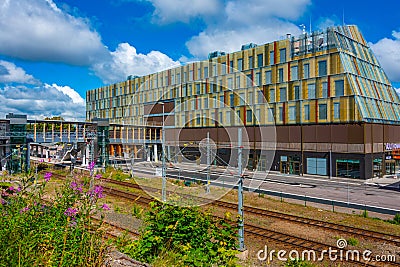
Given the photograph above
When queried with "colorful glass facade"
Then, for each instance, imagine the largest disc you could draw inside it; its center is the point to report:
(323, 77)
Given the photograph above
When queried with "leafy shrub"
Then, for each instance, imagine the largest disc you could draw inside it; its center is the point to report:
(185, 235)
(396, 218)
(59, 232)
(298, 263)
(352, 241)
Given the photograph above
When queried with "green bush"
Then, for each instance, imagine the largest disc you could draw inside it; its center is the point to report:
(60, 232)
(396, 219)
(186, 236)
(298, 263)
(352, 241)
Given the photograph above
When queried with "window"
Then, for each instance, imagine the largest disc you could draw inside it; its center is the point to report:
(294, 73)
(339, 88)
(199, 73)
(282, 55)
(228, 117)
(220, 117)
(249, 116)
(260, 60)
(282, 94)
(221, 101)
(231, 65)
(206, 102)
(311, 91)
(292, 113)
(281, 113)
(271, 95)
(242, 99)
(238, 81)
(306, 70)
(223, 68)
(322, 69)
(232, 100)
(198, 119)
(205, 72)
(238, 117)
(240, 64)
(296, 92)
(249, 82)
(260, 97)
(230, 83)
(258, 78)
(336, 111)
(324, 89)
(250, 99)
(198, 89)
(251, 62)
(271, 114)
(268, 77)
(306, 112)
(280, 74)
(322, 112)
(271, 58)
(191, 78)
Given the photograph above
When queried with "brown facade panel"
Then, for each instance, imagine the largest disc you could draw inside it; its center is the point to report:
(377, 133)
(295, 134)
(309, 134)
(355, 133)
(282, 133)
(323, 133)
(339, 134)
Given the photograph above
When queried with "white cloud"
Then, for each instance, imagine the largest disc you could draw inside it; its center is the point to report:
(388, 53)
(39, 31)
(66, 90)
(247, 21)
(256, 11)
(182, 10)
(398, 91)
(9, 73)
(126, 61)
(231, 40)
(40, 102)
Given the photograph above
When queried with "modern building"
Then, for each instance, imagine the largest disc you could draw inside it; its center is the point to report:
(322, 99)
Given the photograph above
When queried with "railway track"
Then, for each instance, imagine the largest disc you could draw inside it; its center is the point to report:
(350, 230)
(269, 234)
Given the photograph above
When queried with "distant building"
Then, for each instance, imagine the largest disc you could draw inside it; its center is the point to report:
(335, 111)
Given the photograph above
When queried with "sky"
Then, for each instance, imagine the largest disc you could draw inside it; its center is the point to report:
(53, 51)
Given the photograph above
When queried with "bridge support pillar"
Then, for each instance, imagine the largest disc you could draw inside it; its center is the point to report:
(155, 153)
(148, 153)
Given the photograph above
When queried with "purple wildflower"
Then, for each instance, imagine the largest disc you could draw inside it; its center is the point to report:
(70, 212)
(98, 191)
(73, 222)
(74, 186)
(24, 210)
(91, 165)
(18, 189)
(47, 176)
(3, 202)
(11, 188)
(98, 176)
(105, 207)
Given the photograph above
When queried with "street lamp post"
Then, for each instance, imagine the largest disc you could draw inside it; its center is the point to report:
(240, 192)
(164, 182)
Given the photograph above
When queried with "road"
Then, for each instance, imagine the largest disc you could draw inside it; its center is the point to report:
(334, 189)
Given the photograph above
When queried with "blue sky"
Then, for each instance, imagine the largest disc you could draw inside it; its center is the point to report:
(52, 51)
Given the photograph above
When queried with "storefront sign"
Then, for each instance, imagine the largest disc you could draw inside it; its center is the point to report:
(391, 146)
(388, 157)
(283, 158)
